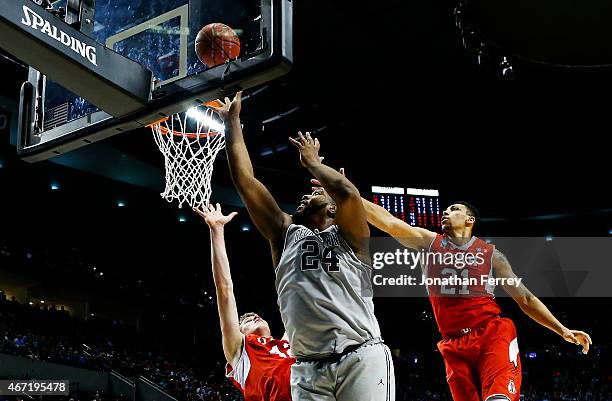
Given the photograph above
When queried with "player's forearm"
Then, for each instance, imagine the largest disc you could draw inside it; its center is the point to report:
(220, 263)
(241, 168)
(226, 302)
(337, 185)
(535, 309)
(378, 216)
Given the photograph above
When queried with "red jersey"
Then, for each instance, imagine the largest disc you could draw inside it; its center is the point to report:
(263, 371)
(460, 284)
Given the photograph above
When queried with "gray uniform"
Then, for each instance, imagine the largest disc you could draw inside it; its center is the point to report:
(325, 299)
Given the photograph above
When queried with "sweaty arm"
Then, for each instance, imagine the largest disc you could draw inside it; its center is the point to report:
(232, 338)
(267, 216)
(533, 307)
(350, 215)
(411, 237)
(226, 302)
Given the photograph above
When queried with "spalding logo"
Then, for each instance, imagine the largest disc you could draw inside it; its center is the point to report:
(35, 21)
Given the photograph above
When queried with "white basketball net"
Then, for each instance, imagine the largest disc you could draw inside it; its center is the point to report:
(189, 157)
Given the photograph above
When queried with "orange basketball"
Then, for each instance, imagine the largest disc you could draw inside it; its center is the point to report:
(216, 43)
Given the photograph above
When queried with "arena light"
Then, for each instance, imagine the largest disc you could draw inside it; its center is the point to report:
(55, 186)
(387, 190)
(422, 192)
(548, 238)
(1, 164)
(121, 204)
(246, 228)
(205, 119)
(182, 219)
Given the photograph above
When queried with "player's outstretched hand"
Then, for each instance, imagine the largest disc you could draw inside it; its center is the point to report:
(309, 149)
(213, 216)
(579, 338)
(229, 109)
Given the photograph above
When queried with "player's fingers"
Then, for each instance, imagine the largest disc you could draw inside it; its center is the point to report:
(585, 335)
(585, 347)
(195, 209)
(302, 138)
(309, 137)
(342, 171)
(231, 216)
(572, 338)
(316, 182)
(297, 143)
(238, 96)
(583, 341)
(218, 208)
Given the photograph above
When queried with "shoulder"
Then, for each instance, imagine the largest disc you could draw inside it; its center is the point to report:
(435, 240)
(253, 339)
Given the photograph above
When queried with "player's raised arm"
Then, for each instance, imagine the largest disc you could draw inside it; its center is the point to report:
(533, 307)
(226, 302)
(412, 237)
(269, 219)
(350, 215)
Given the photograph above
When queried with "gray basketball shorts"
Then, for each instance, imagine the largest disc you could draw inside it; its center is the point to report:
(365, 374)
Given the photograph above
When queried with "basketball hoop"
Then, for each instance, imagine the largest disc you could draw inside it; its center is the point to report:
(190, 143)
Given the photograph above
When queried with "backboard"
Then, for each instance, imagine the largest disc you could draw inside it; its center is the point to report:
(160, 35)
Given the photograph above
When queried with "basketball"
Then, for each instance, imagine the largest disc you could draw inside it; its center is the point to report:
(217, 43)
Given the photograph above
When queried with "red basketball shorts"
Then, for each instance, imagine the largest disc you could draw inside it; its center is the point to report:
(483, 363)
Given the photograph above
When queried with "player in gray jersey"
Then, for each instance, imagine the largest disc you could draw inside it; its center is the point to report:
(322, 275)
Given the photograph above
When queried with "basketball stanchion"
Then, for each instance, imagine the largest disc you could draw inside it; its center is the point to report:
(189, 142)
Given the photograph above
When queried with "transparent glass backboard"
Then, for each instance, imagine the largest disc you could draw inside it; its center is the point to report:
(160, 35)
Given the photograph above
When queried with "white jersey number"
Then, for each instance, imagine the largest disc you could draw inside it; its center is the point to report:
(276, 351)
(450, 272)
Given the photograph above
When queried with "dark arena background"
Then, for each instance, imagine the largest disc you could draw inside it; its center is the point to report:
(99, 273)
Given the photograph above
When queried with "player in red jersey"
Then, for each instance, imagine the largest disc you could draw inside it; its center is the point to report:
(258, 364)
(479, 348)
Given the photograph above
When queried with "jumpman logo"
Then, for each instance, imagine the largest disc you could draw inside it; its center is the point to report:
(381, 382)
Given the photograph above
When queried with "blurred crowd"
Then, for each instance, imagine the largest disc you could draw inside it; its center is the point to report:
(46, 333)
(50, 334)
